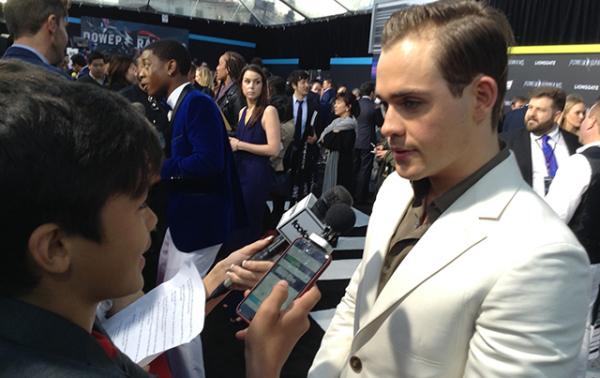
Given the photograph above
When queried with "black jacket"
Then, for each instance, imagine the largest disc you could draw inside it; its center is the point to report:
(37, 343)
(230, 103)
(520, 143)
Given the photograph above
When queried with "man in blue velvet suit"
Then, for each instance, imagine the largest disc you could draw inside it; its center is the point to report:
(204, 199)
(205, 203)
(38, 28)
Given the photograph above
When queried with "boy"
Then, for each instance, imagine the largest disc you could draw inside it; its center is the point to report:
(75, 172)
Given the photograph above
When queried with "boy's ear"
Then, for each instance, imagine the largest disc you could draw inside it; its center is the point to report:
(48, 250)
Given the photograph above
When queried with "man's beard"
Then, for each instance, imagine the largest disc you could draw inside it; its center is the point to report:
(540, 128)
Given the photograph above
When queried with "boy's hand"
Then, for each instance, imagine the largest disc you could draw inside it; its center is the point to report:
(273, 333)
(248, 274)
(218, 273)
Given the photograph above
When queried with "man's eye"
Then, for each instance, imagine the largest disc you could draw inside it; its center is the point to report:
(410, 104)
(143, 205)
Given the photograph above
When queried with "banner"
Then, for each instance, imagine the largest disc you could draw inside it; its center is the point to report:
(571, 71)
(122, 37)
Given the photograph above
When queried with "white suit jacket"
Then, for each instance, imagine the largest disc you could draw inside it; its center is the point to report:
(497, 287)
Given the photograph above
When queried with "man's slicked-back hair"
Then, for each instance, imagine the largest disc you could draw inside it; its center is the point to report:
(26, 17)
(558, 96)
(167, 49)
(62, 156)
(471, 39)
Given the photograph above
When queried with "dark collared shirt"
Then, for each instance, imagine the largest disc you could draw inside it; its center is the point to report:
(418, 217)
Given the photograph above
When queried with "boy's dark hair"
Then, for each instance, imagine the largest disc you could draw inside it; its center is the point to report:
(166, 49)
(558, 96)
(26, 17)
(95, 55)
(367, 88)
(316, 81)
(351, 101)
(62, 156)
(79, 60)
(471, 38)
(296, 76)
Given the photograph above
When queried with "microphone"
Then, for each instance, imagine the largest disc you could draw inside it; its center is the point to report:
(337, 194)
(339, 218)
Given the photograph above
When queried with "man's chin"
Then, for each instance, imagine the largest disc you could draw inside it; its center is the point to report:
(408, 174)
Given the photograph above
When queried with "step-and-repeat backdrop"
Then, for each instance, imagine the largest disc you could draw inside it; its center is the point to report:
(572, 68)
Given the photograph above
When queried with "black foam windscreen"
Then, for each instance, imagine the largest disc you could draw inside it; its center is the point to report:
(340, 217)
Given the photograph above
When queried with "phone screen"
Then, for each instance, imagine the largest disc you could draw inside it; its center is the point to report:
(301, 263)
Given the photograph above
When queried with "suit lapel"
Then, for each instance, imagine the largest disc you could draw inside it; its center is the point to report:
(465, 224)
(184, 93)
(392, 213)
(571, 141)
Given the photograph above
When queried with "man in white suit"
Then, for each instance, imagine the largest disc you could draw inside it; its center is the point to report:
(466, 271)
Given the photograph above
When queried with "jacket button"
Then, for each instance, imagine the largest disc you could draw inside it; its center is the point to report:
(356, 364)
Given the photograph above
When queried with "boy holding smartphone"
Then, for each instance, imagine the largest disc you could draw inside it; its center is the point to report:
(75, 172)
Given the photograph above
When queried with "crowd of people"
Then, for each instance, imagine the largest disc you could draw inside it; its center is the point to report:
(295, 169)
(481, 256)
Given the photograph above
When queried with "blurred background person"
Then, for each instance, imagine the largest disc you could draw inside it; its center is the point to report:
(77, 63)
(338, 138)
(122, 72)
(573, 114)
(366, 135)
(204, 80)
(257, 138)
(517, 102)
(97, 70)
(282, 184)
(316, 86)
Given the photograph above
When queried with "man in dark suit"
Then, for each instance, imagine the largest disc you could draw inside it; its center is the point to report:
(541, 146)
(303, 153)
(369, 118)
(39, 30)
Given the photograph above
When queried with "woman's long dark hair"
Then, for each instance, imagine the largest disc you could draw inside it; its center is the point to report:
(263, 100)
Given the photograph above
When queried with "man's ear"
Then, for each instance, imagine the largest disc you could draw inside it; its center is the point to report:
(52, 23)
(557, 116)
(48, 250)
(485, 92)
(172, 67)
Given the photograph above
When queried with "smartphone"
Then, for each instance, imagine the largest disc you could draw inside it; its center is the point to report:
(300, 265)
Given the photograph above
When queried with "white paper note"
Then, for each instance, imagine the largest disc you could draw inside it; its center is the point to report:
(168, 316)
